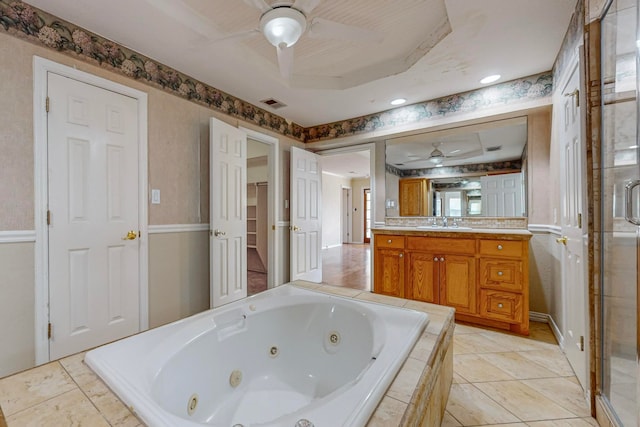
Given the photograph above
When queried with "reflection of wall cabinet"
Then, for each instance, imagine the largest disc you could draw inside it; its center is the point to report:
(389, 265)
(413, 196)
(484, 276)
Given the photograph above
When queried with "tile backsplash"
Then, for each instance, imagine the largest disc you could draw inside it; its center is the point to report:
(473, 222)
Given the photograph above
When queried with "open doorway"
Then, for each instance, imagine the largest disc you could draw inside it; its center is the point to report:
(346, 187)
(258, 187)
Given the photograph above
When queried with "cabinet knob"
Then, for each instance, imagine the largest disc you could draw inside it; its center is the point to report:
(401, 255)
(500, 273)
(500, 305)
(499, 247)
(435, 259)
(441, 259)
(389, 241)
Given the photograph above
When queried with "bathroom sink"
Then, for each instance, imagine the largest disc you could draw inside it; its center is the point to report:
(441, 228)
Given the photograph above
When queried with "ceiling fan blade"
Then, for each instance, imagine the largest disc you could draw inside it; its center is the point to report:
(241, 35)
(285, 60)
(324, 29)
(305, 6)
(261, 5)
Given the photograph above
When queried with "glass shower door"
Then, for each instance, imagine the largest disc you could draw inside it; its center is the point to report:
(619, 237)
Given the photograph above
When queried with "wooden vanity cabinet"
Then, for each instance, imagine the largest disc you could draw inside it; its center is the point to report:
(389, 266)
(442, 271)
(503, 281)
(484, 276)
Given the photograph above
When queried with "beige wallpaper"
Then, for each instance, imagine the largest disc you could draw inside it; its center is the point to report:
(539, 172)
(178, 276)
(178, 142)
(17, 327)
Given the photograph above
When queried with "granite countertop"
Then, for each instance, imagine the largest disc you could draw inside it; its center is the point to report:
(450, 231)
(67, 392)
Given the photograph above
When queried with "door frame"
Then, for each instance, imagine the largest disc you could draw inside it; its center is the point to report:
(41, 68)
(274, 272)
(366, 239)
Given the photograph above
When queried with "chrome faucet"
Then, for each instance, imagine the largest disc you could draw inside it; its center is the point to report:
(444, 221)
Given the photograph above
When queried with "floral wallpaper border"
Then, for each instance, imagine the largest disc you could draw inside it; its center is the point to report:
(573, 38)
(508, 93)
(514, 165)
(25, 21)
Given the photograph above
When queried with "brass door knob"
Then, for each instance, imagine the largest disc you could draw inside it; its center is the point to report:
(131, 235)
(296, 228)
(562, 240)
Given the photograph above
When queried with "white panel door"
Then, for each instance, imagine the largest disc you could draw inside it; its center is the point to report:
(306, 221)
(502, 195)
(574, 230)
(228, 206)
(93, 202)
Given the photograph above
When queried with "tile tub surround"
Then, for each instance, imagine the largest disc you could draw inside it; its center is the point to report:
(67, 392)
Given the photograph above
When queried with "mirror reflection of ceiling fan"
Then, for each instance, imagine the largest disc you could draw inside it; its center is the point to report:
(282, 24)
(437, 156)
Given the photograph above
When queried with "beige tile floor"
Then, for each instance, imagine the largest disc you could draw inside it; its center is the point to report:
(508, 380)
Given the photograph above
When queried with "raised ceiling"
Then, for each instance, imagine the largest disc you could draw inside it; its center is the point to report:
(430, 48)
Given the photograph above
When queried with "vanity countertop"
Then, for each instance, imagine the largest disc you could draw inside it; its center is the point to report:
(452, 231)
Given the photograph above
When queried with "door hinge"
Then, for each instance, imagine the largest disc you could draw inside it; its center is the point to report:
(49, 331)
(48, 217)
(46, 104)
(579, 220)
(273, 227)
(581, 345)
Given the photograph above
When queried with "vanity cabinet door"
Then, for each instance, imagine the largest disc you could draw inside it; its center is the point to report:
(458, 283)
(423, 281)
(389, 265)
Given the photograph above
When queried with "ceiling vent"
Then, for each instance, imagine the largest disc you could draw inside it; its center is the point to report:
(273, 103)
(494, 148)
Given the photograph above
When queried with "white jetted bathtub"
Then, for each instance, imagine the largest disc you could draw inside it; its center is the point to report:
(284, 357)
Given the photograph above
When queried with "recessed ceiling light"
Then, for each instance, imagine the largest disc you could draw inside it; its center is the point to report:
(633, 147)
(490, 79)
(398, 101)
(440, 165)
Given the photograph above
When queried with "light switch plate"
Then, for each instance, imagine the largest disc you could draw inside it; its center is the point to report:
(155, 197)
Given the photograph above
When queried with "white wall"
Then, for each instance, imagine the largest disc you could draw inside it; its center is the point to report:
(332, 209)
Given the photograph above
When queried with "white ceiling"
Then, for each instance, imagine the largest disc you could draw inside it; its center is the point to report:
(347, 165)
(336, 79)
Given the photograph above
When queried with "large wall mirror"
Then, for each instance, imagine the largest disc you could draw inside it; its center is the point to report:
(473, 170)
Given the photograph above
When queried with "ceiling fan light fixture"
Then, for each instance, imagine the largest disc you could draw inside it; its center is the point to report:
(283, 25)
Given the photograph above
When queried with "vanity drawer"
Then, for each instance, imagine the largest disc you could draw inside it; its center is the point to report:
(501, 274)
(503, 306)
(442, 245)
(501, 248)
(382, 241)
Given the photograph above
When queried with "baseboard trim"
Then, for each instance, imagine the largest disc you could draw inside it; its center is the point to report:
(546, 318)
(18, 236)
(333, 246)
(177, 228)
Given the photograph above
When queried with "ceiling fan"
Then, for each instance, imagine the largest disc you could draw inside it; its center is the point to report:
(437, 156)
(283, 23)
